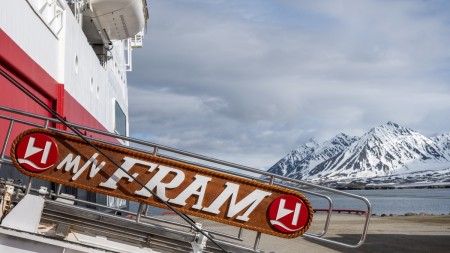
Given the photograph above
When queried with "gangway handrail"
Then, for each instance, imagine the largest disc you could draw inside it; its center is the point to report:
(263, 175)
(326, 225)
(328, 199)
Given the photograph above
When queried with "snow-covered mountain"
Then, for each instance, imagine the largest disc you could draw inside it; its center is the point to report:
(385, 150)
(302, 160)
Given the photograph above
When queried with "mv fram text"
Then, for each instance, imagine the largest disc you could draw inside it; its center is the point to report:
(203, 192)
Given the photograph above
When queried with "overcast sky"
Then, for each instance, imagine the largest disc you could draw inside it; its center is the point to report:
(248, 81)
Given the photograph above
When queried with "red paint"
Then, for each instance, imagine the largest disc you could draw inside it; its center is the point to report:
(288, 214)
(11, 96)
(17, 61)
(23, 69)
(37, 152)
(60, 100)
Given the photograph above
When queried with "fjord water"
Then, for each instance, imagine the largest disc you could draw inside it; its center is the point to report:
(392, 201)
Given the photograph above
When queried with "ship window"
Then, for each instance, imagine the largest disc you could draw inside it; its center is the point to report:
(120, 120)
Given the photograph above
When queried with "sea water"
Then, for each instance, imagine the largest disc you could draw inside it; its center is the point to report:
(392, 201)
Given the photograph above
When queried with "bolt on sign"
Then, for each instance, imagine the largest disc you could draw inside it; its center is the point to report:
(193, 190)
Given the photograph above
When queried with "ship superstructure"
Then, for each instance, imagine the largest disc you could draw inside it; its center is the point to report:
(73, 55)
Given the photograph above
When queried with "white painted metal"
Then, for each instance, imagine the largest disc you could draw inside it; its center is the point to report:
(50, 12)
(95, 86)
(121, 19)
(104, 243)
(137, 40)
(14, 241)
(26, 215)
(131, 43)
(25, 27)
(68, 58)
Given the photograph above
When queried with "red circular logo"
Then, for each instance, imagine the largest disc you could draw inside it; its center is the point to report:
(37, 152)
(288, 214)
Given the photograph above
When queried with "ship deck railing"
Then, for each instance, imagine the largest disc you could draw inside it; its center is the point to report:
(321, 197)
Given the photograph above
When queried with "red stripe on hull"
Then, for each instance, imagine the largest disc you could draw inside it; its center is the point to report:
(27, 72)
(14, 58)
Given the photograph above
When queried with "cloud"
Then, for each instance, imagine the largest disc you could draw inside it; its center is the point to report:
(248, 81)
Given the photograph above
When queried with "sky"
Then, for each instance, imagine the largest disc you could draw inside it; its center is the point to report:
(247, 81)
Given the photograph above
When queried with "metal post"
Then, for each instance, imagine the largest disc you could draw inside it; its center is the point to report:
(8, 135)
(272, 178)
(30, 180)
(240, 233)
(145, 210)
(139, 212)
(58, 189)
(258, 238)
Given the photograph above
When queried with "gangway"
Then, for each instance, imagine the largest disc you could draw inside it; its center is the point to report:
(151, 232)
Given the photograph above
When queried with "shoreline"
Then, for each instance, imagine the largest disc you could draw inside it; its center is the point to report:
(408, 214)
(400, 233)
(397, 233)
(397, 186)
(363, 212)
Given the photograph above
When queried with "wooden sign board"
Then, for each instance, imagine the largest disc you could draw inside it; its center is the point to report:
(193, 190)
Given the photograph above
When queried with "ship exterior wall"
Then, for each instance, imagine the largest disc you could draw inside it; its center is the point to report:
(19, 21)
(24, 70)
(68, 59)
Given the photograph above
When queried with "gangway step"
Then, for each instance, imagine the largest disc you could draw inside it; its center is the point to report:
(120, 228)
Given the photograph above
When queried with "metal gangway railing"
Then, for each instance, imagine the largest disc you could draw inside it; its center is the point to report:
(319, 196)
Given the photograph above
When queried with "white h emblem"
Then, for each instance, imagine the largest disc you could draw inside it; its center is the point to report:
(282, 211)
(31, 150)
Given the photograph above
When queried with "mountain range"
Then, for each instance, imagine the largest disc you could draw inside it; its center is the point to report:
(385, 153)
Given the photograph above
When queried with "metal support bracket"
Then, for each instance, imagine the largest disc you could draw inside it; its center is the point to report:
(5, 202)
(199, 242)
